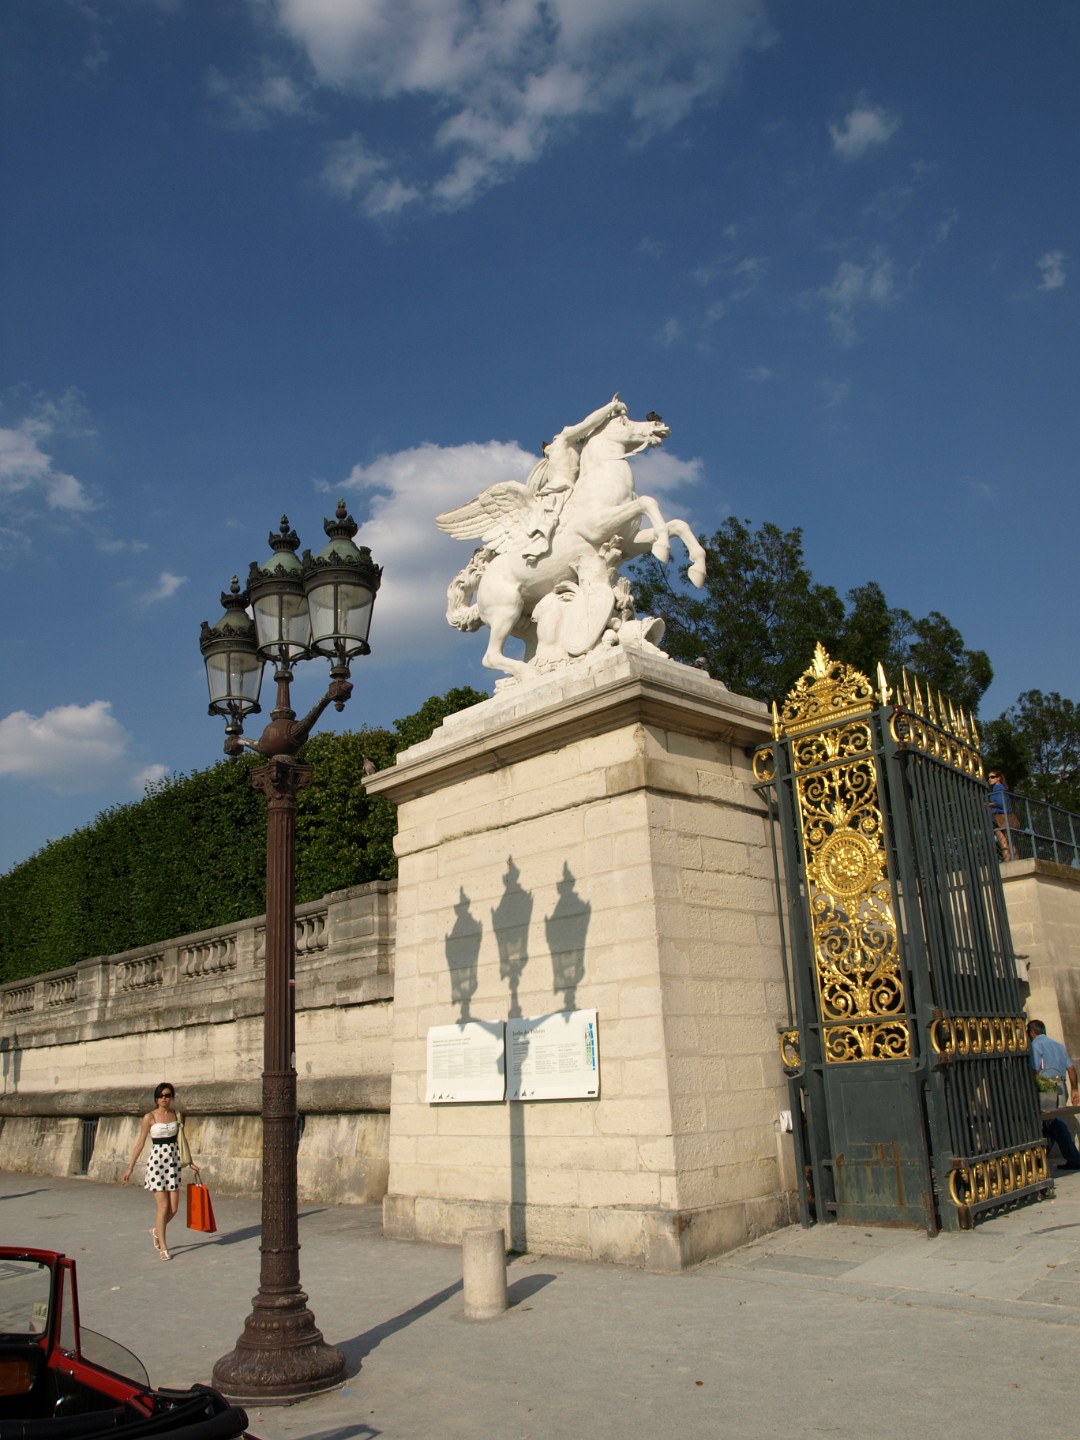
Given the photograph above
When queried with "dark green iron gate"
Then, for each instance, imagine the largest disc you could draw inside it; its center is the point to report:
(913, 1099)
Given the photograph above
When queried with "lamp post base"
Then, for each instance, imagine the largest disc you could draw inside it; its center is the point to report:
(280, 1357)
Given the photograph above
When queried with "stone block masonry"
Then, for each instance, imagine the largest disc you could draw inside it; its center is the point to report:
(593, 841)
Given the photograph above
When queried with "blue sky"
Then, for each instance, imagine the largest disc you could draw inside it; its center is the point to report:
(260, 253)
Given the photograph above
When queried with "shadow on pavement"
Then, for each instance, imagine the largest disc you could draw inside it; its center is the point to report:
(360, 1346)
(522, 1289)
(346, 1432)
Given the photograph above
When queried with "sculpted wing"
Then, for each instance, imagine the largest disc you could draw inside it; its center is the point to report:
(496, 516)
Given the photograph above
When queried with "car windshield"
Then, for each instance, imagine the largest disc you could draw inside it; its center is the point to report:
(110, 1355)
(24, 1297)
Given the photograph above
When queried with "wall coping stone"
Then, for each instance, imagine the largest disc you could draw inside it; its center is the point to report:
(209, 977)
(1044, 869)
(605, 691)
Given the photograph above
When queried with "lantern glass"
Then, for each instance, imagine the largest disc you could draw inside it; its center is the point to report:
(281, 620)
(340, 612)
(234, 675)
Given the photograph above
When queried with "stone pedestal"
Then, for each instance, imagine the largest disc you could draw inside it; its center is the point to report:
(594, 841)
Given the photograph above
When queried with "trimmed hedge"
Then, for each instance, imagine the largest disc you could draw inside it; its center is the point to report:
(192, 853)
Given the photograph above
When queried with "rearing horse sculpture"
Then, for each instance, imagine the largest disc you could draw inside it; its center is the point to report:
(546, 571)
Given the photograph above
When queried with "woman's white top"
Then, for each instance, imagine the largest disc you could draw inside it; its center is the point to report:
(163, 1130)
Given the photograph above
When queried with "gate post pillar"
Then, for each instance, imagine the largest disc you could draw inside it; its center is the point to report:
(593, 840)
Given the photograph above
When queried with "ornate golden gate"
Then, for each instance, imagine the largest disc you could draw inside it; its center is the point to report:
(912, 1095)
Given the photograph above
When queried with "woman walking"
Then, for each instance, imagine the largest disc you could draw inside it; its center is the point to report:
(164, 1166)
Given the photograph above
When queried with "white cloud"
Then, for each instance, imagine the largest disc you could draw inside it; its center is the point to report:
(758, 373)
(256, 100)
(862, 128)
(407, 489)
(669, 332)
(650, 248)
(1052, 265)
(352, 170)
(743, 279)
(27, 470)
(71, 749)
(166, 587)
(834, 392)
(148, 775)
(661, 473)
(855, 288)
(502, 80)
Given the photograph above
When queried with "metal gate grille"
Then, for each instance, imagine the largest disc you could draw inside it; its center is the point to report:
(908, 1055)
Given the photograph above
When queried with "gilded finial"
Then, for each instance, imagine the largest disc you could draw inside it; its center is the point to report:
(884, 692)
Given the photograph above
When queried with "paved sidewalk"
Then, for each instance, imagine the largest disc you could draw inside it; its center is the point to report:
(837, 1331)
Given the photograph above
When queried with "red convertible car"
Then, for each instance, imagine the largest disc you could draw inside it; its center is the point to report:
(59, 1381)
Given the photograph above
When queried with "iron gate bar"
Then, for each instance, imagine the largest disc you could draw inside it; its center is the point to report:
(805, 1080)
(981, 1094)
(907, 1066)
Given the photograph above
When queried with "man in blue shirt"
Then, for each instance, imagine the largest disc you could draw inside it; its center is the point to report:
(1051, 1059)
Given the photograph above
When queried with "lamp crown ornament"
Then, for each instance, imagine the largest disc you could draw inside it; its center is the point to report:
(235, 621)
(284, 543)
(341, 549)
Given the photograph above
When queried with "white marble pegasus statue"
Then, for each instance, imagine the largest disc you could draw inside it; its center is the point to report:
(547, 567)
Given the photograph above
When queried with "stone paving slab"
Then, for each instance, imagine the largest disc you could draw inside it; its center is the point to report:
(835, 1331)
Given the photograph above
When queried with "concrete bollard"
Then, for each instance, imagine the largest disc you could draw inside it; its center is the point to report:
(483, 1264)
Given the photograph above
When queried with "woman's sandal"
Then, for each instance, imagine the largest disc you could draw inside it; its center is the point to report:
(153, 1236)
(164, 1255)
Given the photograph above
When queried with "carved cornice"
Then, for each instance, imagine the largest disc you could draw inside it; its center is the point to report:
(629, 689)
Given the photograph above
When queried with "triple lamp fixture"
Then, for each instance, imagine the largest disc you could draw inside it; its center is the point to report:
(318, 605)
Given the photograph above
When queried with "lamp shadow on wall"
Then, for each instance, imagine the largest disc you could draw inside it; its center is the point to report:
(566, 930)
(462, 956)
(510, 921)
(11, 1051)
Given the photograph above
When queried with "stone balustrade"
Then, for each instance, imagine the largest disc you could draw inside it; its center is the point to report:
(87, 1044)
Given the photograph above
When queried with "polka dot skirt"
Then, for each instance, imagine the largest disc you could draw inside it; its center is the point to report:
(163, 1167)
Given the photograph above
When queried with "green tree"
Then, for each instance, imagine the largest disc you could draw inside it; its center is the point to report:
(874, 632)
(423, 722)
(1036, 742)
(759, 616)
(936, 651)
(761, 612)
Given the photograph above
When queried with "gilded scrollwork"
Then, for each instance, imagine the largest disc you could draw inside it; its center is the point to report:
(827, 721)
(826, 692)
(938, 729)
(856, 949)
(764, 765)
(998, 1176)
(882, 1041)
(963, 1036)
(790, 1057)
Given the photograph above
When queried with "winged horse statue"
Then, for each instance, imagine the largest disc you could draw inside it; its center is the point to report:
(547, 567)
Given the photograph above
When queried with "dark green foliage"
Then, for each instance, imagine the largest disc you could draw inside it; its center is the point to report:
(1036, 744)
(423, 722)
(192, 853)
(759, 616)
(761, 613)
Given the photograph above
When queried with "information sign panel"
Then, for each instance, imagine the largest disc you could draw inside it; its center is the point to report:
(466, 1062)
(553, 1057)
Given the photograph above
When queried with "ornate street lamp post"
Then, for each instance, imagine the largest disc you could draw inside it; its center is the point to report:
(320, 605)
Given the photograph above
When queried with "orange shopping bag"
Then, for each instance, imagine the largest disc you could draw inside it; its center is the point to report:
(200, 1212)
